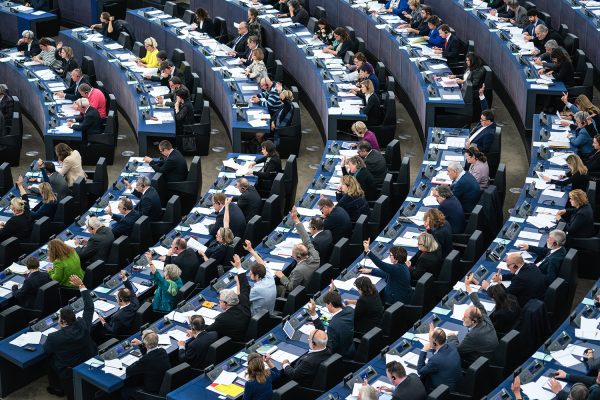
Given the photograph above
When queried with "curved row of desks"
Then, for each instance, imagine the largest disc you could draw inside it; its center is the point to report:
(17, 18)
(448, 314)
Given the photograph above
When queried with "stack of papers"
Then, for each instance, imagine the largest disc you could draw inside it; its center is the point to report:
(27, 338)
(196, 245)
(18, 268)
(540, 389)
(284, 249)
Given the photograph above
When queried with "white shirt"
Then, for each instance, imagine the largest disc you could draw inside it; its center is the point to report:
(476, 133)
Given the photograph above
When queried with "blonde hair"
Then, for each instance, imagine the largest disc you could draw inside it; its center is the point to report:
(226, 235)
(47, 192)
(368, 85)
(287, 95)
(359, 128)
(256, 368)
(414, 3)
(428, 241)
(57, 250)
(576, 165)
(172, 271)
(150, 41)
(68, 51)
(354, 188)
(579, 196)
(17, 204)
(584, 104)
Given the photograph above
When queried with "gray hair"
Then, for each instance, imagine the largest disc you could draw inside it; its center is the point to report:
(83, 102)
(94, 223)
(542, 28)
(444, 191)
(320, 342)
(229, 297)
(455, 166)
(143, 180)
(368, 392)
(3, 88)
(172, 271)
(551, 44)
(581, 116)
(428, 241)
(559, 236)
(28, 34)
(150, 339)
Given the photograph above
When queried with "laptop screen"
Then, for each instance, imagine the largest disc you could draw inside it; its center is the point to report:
(289, 329)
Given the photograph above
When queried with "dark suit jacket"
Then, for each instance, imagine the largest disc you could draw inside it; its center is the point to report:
(410, 388)
(208, 27)
(593, 164)
(184, 117)
(217, 251)
(98, 246)
(550, 263)
(234, 322)
(149, 204)
(368, 313)
(165, 81)
(304, 369)
(375, 162)
(237, 221)
(578, 222)
(195, 351)
(366, 181)
(443, 367)
(301, 17)
(7, 105)
(26, 295)
(425, 262)
(174, 168)
(443, 236)
(188, 262)
(239, 45)
(34, 50)
(527, 284)
(466, 189)
(323, 243)
(450, 50)
(125, 223)
(58, 183)
(250, 203)
(354, 206)
(372, 109)
(589, 381)
(73, 344)
(270, 169)
(577, 181)
(476, 77)
(90, 124)
(453, 211)
(338, 223)
(397, 280)
(340, 332)
(539, 44)
(151, 368)
(485, 138)
(121, 322)
(72, 92)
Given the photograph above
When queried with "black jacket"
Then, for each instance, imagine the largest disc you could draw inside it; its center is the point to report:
(354, 206)
(149, 204)
(151, 368)
(410, 388)
(323, 243)
(338, 223)
(443, 236)
(450, 49)
(372, 109)
(72, 345)
(98, 246)
(26, 295)
(376, 164)
(485, 138)
(577, 181)
(72, 92)
(188, 262)
(125, 223)
(250, 203)
(304, 369)
(504, 319)
(270, 169)
(34, 50)
(527, 284)
(368, 313)
(122, 321)
(174, 168)
(301, 17)
(579, 222)
(240, 45)
(208, 27)
(90, 124)
(550, 263)
(195, 351)
(593, 164)
(237, 221)
(184, 117)
(18, 226)
(234, 322)
(539, 44)
(425, 262)
(340, 332)
(217, 251)
(366, 181)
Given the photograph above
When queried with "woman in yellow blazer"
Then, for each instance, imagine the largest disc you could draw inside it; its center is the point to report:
(149, 61)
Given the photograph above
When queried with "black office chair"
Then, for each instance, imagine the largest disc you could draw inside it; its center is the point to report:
(97, 181)
(12, 320)
(295, 300)
(6, 180)
(368, 345)
(271, 213)
(220, 27)
(170, 8)
(476, 221)
(195, 139)
(571, 43)
(10, 143)
(173, 379)
(78, 190)
(290, 136)
(380, 215)
(63, 216)
(138, 49)
(94, 274)
(320, 12)
(449, 274)
(568, 272)
(188, 17)
(500, 182)
(9, 251)
(507, 356)
(102, 144)
(584, 84)
(290, 177)
(254, 232)
(329, 373)
(472, 252)
(125, 40)
(260, 323)
(493, 155)
(387, 129)
(188, 190)
(139, 240)
(475, 382)
(119, 253)
(177, 57)
(442, 392)
(556, 306)
(40, 235)
(87, 67)
(207, 271)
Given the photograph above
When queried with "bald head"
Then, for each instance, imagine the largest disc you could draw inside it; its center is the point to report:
(514, 261)
(242, 184)
(317, 340)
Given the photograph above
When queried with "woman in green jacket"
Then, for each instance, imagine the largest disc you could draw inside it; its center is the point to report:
(166, 287)
(65, 262)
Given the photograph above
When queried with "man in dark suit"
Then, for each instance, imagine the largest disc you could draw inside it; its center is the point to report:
(98, 246)
(237, 220)
(71, 345)
(89, 123)
(549, 258)
(125, 220)
(253, 44)
(336, 219)
(407, 387)
(34, 280)
(72, 92)
(56, 180)
(340, 331)
(305, 368)
(589, 390)
(194, 352)
(451, 47)
(149, 203)
(374, 161)
(167, 71)
(184, 257)
(240, 43)
(173, 167)
(526, 280)
(482, 135)
(321, 238)
(443, 366)
(542, 35)
(249, 201)
(150, 368)
(481, 339)
(234, 319)
(28, 44)
(533, 16)
(121, 322)
(464, 186)
(451, 208)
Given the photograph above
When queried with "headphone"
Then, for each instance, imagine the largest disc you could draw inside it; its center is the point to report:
(312, 337)
(436, 337)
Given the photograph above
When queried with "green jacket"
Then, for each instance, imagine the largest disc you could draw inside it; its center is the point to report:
(66, 267)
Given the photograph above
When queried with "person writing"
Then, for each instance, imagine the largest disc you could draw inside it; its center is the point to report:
(259, 385)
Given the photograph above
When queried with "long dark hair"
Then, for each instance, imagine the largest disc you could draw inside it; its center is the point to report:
(270, 148)
(475, 61)
(503, 300)
(365, 286)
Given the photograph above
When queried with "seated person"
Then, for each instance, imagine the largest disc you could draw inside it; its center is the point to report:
(65, 263)
(56, 180)
(433, 38)
(167, 71)
(577, 176)
(237, 221)
(368, 309)
(168, 99)
(579, 216)
(263, 292)
(35, 279)
(98, 246)
(184, 111)
(372, 104)
(341, 325)
(585, 386)
(321, 238)
(149, 60)
(109, 27)
(249, 200)
(396, 275)
(360, 130)
(218, 247)
(47, 207)
(149, 369)
(374, 161)
(451, 46)
(351, 198)
(122, 321)
(184, 257)
(443, 366)
(435, 223)
(70, 163)
(507, 309)
(324, 32)
(259, 384)
(88, 123)
(96, 100)
(194, 352)
(336, 219)
(167, 286)
(482, 136)
(204, 23)
(304, 370)
(269, 96)
(549, 258)
(297, 13)
(173, 166)
(28, 44)
(451, 208)
(284, 116)
(478, 166)
(341, 43)
(562, 68)
(581, 138)
(235, 316)
(149, 204)
(125, 219)
(356, 167)
(464, 186)
(406, 387)
(257, 70)
(271, 167)
(72, 92)
(21, 223)
(47, 55)
(427, 259)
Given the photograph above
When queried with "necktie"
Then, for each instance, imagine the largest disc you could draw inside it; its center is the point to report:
(445, 43)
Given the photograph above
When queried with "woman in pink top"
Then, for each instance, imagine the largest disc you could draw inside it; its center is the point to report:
(360, 129)
(95, 97)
